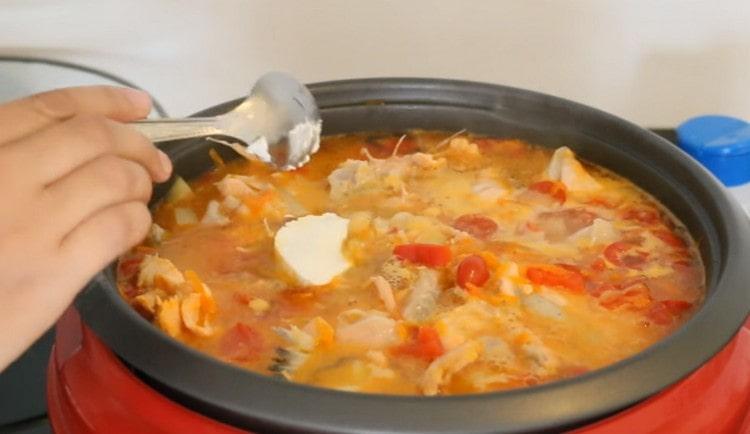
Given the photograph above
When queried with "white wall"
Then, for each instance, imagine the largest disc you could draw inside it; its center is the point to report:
(653, 62)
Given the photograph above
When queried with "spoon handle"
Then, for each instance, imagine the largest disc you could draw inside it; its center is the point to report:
(163, 130)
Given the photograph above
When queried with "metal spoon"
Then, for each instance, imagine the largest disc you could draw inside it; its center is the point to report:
(279, 123)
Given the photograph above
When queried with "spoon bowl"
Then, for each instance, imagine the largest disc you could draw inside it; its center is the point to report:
(277, 123)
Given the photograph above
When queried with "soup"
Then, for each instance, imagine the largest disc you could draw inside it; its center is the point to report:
(423, 264)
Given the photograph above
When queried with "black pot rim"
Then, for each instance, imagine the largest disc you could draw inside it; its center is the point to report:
(254, 401)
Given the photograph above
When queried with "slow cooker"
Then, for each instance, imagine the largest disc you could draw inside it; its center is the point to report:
(112, 371)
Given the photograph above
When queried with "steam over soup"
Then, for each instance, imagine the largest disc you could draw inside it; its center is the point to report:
(424, 264)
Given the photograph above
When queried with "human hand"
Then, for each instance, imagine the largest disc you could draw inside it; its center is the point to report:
(74, 184)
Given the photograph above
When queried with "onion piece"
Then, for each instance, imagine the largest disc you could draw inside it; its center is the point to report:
(185, 217)
(385, 292)
(543, 306)
(422, 299)
(180, 190)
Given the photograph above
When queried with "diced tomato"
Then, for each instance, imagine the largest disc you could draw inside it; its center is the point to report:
(665, 311)
(430, 255)
(659, 314)
(555, 275)
(533, 227)
(554, 189)
(682, 265)
(424, 344)
(647, 216)
(614, 283)
(127, 274)
(472, 270)
(677, 307)
(595, 290)
(477, 225)
(670, 238)
(570, 267)
(130, 289)
(296, 301)
(241, 343)
(142, 250)
(574, 371)
(128, 268)
(241, 298)
(601, 202)
(598, 265)
(635, 297)
(484, 143)
(624, 254)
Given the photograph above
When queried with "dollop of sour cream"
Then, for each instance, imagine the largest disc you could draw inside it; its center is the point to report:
(310, 248)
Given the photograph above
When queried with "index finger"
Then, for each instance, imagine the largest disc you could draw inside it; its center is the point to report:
(24, 116)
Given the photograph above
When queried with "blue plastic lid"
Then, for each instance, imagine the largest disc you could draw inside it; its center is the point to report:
(721, 143)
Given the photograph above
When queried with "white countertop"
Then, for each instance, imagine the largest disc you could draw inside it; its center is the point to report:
(655, 63)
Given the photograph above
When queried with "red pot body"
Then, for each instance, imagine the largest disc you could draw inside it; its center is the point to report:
(89, 390)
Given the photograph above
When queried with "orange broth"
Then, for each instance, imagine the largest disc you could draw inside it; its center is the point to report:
(475, 265)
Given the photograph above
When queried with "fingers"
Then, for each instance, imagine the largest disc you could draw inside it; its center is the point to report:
(103, 237)
(63, 147)
(22, 117)
(93, 187)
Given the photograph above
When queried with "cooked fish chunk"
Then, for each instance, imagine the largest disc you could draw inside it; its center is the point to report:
(489, 190)
(422, 300)
(214, 215)
(194, 316)
(168, 316)
(349, 176)
(240, 185)
(156, 234)
(471, 320)
(444, 367)
(154, 269)
(600, 232)
(540, 358)
(320, 330)
(297, 338)
(389, 173)
(372, 329)
(566, 168)
(497, 351)
(463, 154)
(147, 302)
(543, 306)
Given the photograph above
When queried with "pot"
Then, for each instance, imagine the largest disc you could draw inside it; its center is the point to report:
(253, 401)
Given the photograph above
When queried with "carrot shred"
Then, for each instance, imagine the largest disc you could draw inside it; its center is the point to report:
(208, 304)
(557, 276)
